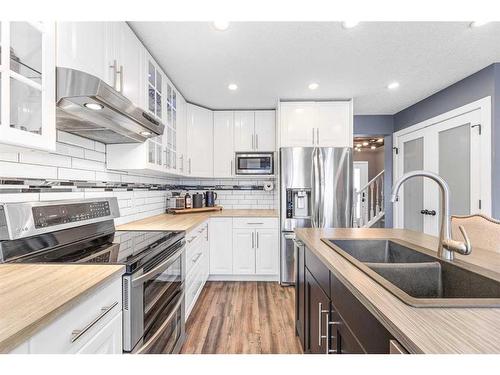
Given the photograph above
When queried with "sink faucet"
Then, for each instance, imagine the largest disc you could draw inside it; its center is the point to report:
(447, 246)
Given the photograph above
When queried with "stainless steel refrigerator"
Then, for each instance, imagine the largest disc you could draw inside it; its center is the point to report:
(315, 191)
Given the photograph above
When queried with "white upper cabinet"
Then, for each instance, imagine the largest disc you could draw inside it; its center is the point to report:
(265, 130)
(84, 46)
(27, 81)
(254, 131)
(223, 143)
(199, 141)
(181, 135)
(108, 50)
(334, 124)
(244, 131)
(297, 121)
(126, 62)
(309, 124)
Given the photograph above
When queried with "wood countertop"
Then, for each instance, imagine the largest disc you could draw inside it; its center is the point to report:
(186, 222)
(419, 330)
(34, 295)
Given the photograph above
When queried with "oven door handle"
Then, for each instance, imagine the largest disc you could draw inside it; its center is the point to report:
(158, 269)
(162, 328)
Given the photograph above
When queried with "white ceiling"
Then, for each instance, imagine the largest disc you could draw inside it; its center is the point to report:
(271, 60)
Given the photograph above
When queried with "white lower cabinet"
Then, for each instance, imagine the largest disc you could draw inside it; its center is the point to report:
(94, 326)
(244, 248)
(221, 246)
(197, 264)
(243, 251)
(266, 252)
(108, 340)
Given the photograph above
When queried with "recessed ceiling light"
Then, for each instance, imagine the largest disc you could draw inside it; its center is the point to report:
(358, 145)
(313, 86)
(358, 150)
(373, 147)
(380, 140)
(221, 25)
(365, 143)
(349, 24)
(478, 23)
(393, 85)
(145, 133)
(232, 86)
(94, 106)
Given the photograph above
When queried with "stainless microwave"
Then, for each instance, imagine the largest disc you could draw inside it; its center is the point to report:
(254, 163)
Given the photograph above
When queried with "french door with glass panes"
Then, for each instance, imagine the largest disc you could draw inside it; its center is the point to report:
(453, 149)
(27, 82)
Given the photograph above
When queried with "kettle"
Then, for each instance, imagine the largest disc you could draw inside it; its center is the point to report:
(210, 197)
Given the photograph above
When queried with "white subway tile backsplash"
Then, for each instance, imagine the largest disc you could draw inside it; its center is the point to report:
(19, 197)
(43, 158)
(68, 150)
(101, 147)
(87, 165)
(108, 177)
(75, 140)
(75, 174)
(61, 196)
(94, 155)
(9, 156)
(9, 169)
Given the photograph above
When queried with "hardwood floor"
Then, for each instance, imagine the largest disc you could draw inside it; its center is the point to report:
(243, 318)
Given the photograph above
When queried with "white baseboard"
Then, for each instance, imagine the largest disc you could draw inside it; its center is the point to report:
(243, 278)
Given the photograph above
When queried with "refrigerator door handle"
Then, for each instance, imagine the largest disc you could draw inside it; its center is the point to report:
(315, 191)
(321, 190)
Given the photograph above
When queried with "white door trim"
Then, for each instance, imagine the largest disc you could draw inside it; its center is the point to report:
(484, 106)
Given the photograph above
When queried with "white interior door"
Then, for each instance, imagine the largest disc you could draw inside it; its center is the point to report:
(360, 179)
(452, 148)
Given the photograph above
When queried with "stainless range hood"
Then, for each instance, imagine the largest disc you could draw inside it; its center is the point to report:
(90, 108)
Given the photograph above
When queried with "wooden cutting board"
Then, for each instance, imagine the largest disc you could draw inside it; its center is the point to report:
(194, 210)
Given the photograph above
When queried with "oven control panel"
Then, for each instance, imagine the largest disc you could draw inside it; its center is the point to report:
(47, 216)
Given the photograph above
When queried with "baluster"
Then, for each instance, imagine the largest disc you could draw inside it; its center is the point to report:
(365, 207)
(372, 201)
(377, 191)
(382, 192)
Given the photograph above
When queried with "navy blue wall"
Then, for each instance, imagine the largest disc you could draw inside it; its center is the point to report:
(371, 125)
(485, 82)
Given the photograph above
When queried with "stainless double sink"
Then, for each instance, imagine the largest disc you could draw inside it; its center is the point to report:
(417, 277)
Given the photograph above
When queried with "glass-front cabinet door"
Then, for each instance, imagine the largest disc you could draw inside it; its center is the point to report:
(27, 78)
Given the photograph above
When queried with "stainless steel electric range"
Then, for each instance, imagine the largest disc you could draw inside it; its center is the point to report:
(83, 231)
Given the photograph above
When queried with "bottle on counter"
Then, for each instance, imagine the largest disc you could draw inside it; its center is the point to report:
(187, 201)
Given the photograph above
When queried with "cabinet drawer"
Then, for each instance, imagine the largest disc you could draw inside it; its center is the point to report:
(89, 313)
(108, 340)
(197, 232)
(370, 333)
(320, 272)
(193, 255)
(255, 222)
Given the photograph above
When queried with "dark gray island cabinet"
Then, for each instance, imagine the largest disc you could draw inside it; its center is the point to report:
(329, 318)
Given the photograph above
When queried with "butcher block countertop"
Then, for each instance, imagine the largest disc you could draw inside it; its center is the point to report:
(186, 222)
(419, 330)
(34, 295)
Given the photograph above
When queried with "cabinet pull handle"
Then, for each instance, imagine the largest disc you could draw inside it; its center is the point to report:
(256, 141)
(195, 258)
(253, 244)
(231, 173)
(181, 167)
(77, 333)
(120, 72)
(317, 136)
(330, 351)
(253, 142)
(257, 234)
(254, 223)
(313, 136)
(320, 321)
(114, 66)
(189, 164)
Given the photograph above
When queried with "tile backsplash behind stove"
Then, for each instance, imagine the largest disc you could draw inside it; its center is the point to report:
(81, 159)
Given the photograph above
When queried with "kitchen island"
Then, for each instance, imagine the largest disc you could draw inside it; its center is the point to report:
(418, 330)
